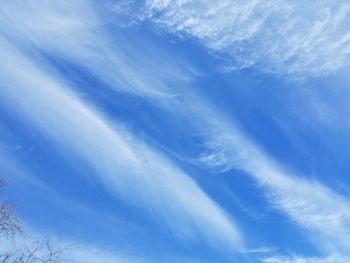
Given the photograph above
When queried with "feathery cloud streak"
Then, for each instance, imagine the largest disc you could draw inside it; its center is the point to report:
(277, 36)
(311, 205)
(43, 98)
(77, 33)
(126, 166)
(300, 259)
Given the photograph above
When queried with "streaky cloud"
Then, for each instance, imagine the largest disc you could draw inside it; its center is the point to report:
(313, 206)
(26, 182)
(77, 32)
(300, 259)
(279, 36)
(126, 166)
(263, 34)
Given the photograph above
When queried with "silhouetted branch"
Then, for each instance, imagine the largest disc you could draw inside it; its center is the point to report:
(22, 250)
(9, 224)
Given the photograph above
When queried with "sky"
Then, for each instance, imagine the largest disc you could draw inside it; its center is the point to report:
(179, 130)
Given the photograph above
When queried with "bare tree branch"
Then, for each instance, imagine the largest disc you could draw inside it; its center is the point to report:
(37, 251)
(9, 224)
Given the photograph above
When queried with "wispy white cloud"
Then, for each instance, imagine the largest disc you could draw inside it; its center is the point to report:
(261, 250)
(26, 182)
(301, 259)
(278, 36)
(76, 32)
(311, 205)
(314, 207)
(266, 34)
(90, 254)
(126, 166)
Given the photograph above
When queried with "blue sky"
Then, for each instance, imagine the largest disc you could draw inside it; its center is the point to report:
(179, 130)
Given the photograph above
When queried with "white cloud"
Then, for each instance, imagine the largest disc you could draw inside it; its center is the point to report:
(322, 214)
(311, 205)
(90, 254)
(301, 259)
(126, 166)
(76, 32)
(266, 34)
(279, 36)
(28, 183)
